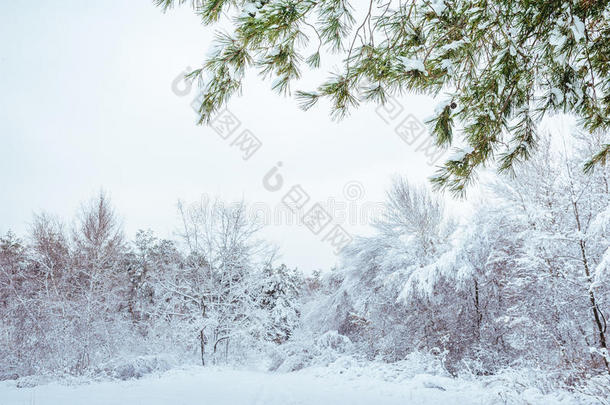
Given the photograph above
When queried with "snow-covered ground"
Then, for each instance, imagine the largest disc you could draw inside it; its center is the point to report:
(317, 385)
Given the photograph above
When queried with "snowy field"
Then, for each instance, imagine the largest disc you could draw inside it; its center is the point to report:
(219, 386)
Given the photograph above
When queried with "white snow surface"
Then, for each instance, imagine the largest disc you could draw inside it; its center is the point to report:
(413, 64)
(338, 383)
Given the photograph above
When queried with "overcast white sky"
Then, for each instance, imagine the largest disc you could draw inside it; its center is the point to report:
(86, 103)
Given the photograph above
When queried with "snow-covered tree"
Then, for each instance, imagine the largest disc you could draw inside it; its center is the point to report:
(17, 320)
(366, 306)
(279, 300)
(564, 231)
(521, 279)
(99, 277)
(219, 281)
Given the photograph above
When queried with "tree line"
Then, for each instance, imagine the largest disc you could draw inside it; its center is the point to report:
(521, 281)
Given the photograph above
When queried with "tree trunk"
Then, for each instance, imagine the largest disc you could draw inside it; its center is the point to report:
(479, 315)
(596, 313)
(202, 341)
